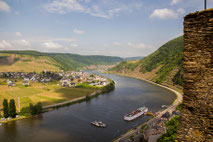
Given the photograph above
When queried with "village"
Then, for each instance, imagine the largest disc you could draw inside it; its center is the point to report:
(48, 88)
(151, 130)
(66, 79)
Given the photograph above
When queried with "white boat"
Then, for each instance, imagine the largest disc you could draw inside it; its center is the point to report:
(164, 106)
(135, 114)
(98, 124)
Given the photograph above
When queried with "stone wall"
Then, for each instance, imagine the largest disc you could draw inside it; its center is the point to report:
(197, 112)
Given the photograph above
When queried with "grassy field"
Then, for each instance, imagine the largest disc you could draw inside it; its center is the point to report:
(37, 92)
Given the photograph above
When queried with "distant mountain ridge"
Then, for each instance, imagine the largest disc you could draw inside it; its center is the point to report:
(133, 58)
(27, 60)
(162, 66)
(75, 61)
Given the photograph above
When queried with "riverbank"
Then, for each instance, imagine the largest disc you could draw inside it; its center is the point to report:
(73, 122)
(109, 87)
(13, 119)
(170, 109)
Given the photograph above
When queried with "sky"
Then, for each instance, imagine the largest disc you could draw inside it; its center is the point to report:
(124, 28)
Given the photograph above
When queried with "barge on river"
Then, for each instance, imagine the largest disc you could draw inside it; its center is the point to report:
(98, 124)
(135, 113)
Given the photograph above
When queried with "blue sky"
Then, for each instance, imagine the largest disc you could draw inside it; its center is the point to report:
(122, 28)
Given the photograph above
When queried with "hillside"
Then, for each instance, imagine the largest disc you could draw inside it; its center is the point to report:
(74, 61)
(37, 61)
(163, 66)
(12, 62)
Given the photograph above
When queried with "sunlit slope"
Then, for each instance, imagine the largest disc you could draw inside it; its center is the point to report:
(27, 63)
(38, 61)
(162, 66)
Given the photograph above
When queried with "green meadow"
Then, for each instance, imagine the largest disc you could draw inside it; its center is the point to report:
(47, 94)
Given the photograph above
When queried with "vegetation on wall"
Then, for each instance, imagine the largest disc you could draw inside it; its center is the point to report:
(170, 135)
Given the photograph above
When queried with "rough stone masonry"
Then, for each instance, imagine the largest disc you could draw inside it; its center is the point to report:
(196, 122)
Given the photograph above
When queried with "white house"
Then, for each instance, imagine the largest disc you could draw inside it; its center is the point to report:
(25, 83)
(72, 84)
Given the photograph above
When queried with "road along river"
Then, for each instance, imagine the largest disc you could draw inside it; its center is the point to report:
(72, 123)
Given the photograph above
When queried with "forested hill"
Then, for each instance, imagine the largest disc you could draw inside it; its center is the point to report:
(74, 61)
(38, 61)
(162, 66)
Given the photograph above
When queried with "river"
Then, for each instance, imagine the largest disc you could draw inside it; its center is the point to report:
(72, 123)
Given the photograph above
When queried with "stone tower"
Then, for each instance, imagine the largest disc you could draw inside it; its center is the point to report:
(196, 122)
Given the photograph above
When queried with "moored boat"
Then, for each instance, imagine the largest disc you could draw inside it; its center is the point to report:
(136, 113)
(98, 124)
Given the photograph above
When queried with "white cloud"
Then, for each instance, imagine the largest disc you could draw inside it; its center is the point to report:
(136, 45)
(79, 32)
(130, 44)
(17, 13)
(23, 42)
(52, 45)
(116, 43)
(174, 2)
(5, 44)
(60, 39)
(74, 45)
(87, 1)
(166, 13)
(114, 11)
(4, 7)
(18, 34)
(141, 45)
(64, 6)
(101, 9)
(181, 11)
(50, 39)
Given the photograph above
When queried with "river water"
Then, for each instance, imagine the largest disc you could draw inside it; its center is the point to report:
(72, 123)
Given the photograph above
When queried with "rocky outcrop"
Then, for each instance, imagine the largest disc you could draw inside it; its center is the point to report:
(196, 123)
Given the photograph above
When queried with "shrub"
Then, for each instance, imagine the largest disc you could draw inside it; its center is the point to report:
(35, 109)
(172, 126)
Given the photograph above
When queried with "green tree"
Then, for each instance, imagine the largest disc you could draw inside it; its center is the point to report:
(24, 111)
(5, 108)
(71, 78)
(87, 97)
(170, 135)
(12, 108)
(38, 108)
(31, 109)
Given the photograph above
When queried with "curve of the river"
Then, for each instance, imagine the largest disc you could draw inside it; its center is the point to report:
(72, 123)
